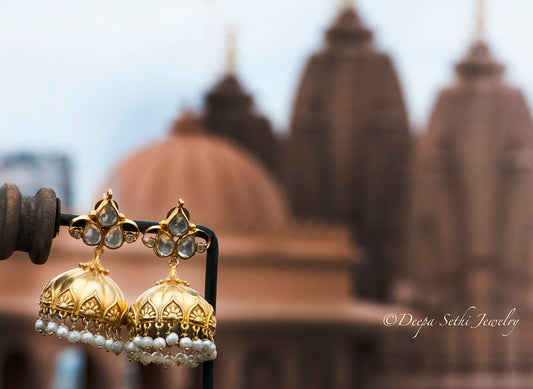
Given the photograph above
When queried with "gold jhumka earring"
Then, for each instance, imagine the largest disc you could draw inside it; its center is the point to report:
(84, 304)
(171, 316)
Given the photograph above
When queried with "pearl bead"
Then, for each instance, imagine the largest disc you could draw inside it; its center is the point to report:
(74, 336)
(86, 337)
(40, 325)
(212, 355)
(172, 339)
(206, 345)
(197, 344)
(52, 327)
(181, 358)
(62, 332)
(185, 343)
(108, 344)
(168, 361)
(98, 341)
(157, 357)
(130, 347)
(137, 341)
(159, 343)
(118, 346)
(147, 341)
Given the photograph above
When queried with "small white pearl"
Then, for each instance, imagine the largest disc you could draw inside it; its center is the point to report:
(197, 345)
(40, 325)
(147, 341)
(157, 357)
(52, 327)
(137, 341)
(172, 339)
(181, 358)
(206, 345)
(146, 358)
(169, 361)
(108, 344)
(62, 332)
(86, 337)
(212, 355)
(118, 346)
(130, 347)
(185, 343)
(98, 341)
(74, 336)
(159, 343)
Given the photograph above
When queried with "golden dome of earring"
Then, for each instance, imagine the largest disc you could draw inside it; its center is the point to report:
(84, 304)
(171, 315)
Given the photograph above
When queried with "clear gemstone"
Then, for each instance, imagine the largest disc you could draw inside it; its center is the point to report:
(129, 238)
(146, 358)
(181, 358)
(178, 225)
(165, 245)
(169, 361)
(108, 216)
(186, 247)
(76, 234)
(157, 357)
(200, 248)
(92, 235)
(114, 238)
(149, 242)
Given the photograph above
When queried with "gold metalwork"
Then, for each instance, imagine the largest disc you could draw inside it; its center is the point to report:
(171, 306)
(171, 310)
(85, 304)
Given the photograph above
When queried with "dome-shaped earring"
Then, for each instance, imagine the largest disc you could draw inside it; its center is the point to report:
(84, 304)
(172, 316)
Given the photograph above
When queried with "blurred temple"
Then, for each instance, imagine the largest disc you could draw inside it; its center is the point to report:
(346, 218)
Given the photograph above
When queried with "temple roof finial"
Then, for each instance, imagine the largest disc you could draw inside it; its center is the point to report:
(231, 50)
(479, 21)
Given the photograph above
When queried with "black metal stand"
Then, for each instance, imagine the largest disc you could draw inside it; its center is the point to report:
(211, 276)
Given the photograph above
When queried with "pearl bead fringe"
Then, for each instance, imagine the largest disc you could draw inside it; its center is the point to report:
(45, 327)
(193, 352)
(148, 350)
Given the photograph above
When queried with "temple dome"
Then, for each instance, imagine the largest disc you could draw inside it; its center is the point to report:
(223, 186)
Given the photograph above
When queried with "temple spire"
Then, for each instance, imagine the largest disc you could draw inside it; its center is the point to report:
(231, 50)
(347, 4)
(479, 21)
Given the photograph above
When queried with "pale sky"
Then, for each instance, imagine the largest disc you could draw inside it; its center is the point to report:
(99, 79)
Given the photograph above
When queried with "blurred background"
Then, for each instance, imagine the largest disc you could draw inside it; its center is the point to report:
(355, 160)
